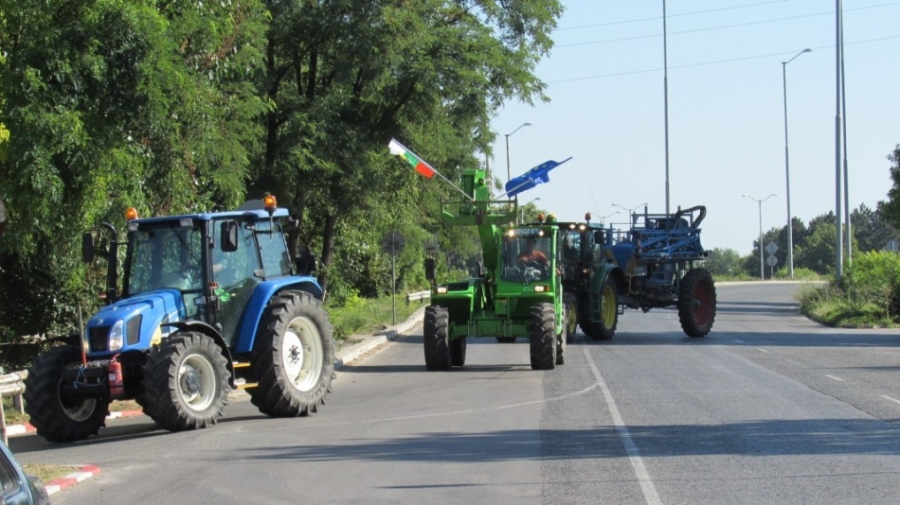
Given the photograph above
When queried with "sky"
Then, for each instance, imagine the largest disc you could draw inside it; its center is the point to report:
(606, 83)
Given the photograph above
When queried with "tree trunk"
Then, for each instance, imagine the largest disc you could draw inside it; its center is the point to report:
(327, 248)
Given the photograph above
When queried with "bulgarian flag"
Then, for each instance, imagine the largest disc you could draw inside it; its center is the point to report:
(423, 168)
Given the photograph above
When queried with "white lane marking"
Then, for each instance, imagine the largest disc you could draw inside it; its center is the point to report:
(886, 397)
(832, 377)
(761, 350)
(634, 456)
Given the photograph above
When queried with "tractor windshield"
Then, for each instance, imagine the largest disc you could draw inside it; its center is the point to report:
(163, 257)
(526, 257)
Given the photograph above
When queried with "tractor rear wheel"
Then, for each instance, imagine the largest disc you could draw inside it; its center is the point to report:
(605, 327)
(56, 418)
(570, 302)
(697, 302)
(186, 382)
(293, 357)
(542, 336)
(437, 344)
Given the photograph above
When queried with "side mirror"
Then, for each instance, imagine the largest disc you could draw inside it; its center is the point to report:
(598, 237)
(87, 247)
(229, 236)
(306, 262)
(430, 269)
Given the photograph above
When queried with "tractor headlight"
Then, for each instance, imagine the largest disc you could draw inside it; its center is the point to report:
(441, 290)
(117, 336)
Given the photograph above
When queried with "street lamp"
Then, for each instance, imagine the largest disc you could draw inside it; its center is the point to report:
(629, 211)
(787, 170)
(762, 272)
(508, 176)
(522, 208)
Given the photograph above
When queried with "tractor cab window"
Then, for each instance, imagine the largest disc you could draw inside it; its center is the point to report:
(235, 274)
(276, 261)
(164, 256)
(526, 257)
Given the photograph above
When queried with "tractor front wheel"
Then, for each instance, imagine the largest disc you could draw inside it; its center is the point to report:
(60, 419)
(542, 336)
(697, 303)
(293, 357)
(186, 382)
(437, 343)
(458, 352)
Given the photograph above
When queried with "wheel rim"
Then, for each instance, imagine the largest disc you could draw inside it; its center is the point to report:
(701, 305)
(196, 382)
(571, 318)
(608, 306)
(79, 411)
(302, 354)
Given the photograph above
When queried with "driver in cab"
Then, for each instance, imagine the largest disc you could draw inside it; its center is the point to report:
(532, 254)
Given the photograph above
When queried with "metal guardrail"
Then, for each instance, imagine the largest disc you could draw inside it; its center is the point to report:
(11, 385)
(418, 295)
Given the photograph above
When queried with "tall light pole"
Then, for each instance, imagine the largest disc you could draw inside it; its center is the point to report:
(762, 272)
(508, 173)
(787, 170)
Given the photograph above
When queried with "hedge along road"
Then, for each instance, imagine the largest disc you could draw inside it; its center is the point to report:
(770, 408)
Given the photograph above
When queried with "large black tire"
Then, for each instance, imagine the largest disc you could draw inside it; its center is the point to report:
(563, 338)
(570, 303)
(697, 303)
(542, 336)
(605, 327)
(293, 357)
(58, 419)
(437, 334)
(458, 352)
(186, 382)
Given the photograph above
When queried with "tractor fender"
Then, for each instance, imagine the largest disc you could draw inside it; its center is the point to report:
(609, 270)
(260, 299)
(211, 332)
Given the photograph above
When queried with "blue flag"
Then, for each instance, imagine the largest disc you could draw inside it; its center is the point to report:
(532, 178)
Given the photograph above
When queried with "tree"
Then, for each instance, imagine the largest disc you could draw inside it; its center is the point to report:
(892, 207)
(871, 229)
(724, 262)
(430, 73)
(114, 103)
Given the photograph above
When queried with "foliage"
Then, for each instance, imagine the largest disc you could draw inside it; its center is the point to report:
(723, 262)
(892, 207)
(358, 315)
(868, 295)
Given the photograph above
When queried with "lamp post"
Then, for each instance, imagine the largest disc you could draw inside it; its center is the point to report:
(508, 176)
(787, 170)
(762, 272)
(522, 209)
(629, 211)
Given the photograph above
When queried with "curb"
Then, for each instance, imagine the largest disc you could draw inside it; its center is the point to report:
(14, 430)
(57, 485)
(353, 352)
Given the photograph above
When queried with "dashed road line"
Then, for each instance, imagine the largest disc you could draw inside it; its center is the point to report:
(886, 397)
(760, 349)
(832, 377)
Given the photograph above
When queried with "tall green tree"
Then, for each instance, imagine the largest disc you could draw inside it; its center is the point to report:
(892, 207)
(116, 103)
(346, 76)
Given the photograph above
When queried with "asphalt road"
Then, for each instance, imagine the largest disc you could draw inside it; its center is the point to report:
(770, 408)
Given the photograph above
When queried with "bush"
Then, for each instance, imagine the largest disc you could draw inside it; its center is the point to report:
(874, 277)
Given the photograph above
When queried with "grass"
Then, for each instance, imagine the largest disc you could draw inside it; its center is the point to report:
(49, 472)
(368, 315)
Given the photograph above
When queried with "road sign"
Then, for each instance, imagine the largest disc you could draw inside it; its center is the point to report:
(771, 248)
(393, 243)
(771, 261)
(432, 247)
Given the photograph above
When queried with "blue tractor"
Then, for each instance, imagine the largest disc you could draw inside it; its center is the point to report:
(655, 263)
(208, 303)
